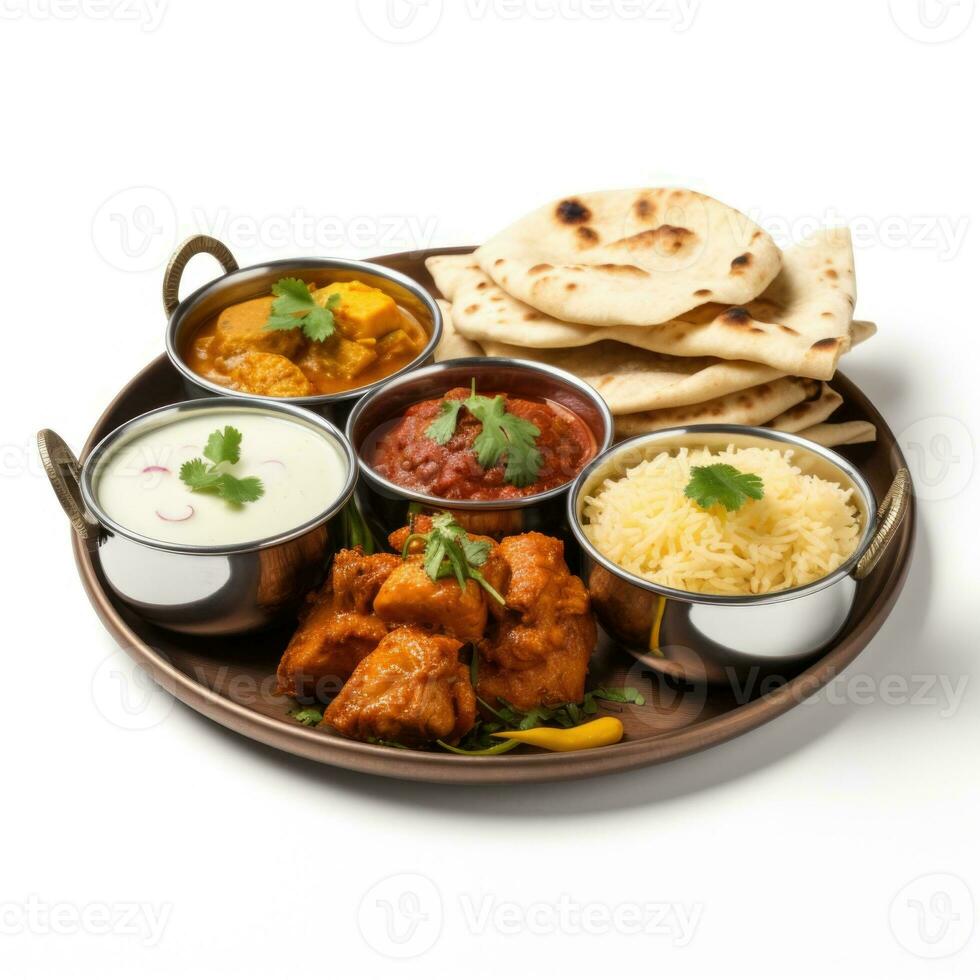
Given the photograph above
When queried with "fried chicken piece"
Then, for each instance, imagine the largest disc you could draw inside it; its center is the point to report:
(412, 690)
(537, 650)
(409, 596)
(339, 629)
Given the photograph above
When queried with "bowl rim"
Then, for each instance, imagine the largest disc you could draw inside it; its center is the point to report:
(214, 405)
(482, 363)
(576, 523)
(350, 265)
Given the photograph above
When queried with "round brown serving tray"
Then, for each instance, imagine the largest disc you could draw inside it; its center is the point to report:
(230, 681)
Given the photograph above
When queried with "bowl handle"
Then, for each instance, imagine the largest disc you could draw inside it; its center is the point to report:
(178, 262)
(891, 515)
(63, 470)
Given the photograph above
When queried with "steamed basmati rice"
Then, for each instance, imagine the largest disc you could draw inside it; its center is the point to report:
(803, 528)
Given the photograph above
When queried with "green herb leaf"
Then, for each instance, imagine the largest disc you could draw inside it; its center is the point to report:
(501, 435)
(449, 551)
(237, 491)
(722, 484)
(222, 447)
(307, 716)
(441, 429)
(295, 306)
(198, 475)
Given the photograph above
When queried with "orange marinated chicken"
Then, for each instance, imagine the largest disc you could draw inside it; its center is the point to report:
(409, 596)
(537, 650)
(339, 628)
(412, 690)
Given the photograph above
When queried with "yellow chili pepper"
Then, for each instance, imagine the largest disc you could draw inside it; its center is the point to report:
(591, 735)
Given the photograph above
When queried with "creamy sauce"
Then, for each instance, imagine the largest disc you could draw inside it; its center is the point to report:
(138, 483)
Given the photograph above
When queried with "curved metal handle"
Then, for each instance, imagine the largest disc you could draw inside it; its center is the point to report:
(64, 471)
(178, 262)
(891, 514)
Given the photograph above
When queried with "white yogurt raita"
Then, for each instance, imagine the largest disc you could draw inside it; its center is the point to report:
(138, 482)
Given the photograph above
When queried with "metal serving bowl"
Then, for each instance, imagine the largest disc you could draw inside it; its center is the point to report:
(202, 589)
(238, 285)
(389, 505)
(719, 638)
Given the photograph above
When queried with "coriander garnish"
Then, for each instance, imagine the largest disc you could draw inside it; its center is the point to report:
(295, 306)
(223, 446)
(450, 551)
(722, 484)
(502, 434)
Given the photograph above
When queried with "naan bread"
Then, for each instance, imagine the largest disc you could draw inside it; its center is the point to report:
(800, 324)
(636, 257)
(633, 380)
(840, 433)
(453, 344)
(750, 407)
(808, 413)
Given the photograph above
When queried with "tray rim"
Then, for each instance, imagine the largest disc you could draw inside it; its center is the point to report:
(494, 770)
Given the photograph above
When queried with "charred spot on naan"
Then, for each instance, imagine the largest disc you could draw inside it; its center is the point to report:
(587, 237)
(737, 316)
(665, 239)
(536, 270)
(740, 263)
(622, 270)
(572, 212)
(644, 208)
(827, 344)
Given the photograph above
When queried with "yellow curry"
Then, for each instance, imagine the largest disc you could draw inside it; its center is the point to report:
(372, 337)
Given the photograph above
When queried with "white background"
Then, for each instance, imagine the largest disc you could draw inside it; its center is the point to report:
(254, 122)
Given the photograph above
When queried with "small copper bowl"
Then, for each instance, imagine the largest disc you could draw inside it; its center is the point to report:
(389, 505)
(237, 285)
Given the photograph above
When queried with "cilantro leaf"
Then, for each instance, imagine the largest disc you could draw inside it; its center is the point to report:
(307, 716)
(722, 484)
(442, 427)
(237, 491)
(224, 446)
(450, 551)
(502, 436)
(198, 475)
(295, 306)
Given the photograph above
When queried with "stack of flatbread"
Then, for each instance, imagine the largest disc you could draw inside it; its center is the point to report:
(675, 307)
